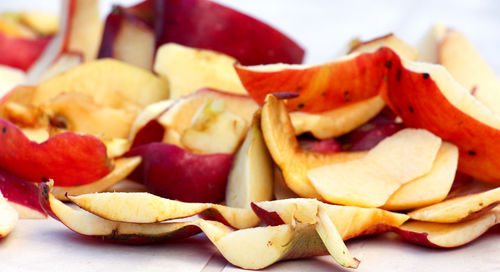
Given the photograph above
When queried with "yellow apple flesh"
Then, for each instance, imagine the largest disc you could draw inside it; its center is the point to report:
(371, 180)
(190, 69)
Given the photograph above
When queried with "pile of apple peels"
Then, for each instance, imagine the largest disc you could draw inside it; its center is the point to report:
(230, 136)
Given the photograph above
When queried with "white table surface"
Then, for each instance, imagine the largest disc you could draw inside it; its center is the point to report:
(323, 27)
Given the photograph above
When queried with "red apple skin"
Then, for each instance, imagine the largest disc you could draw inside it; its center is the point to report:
(322, 87)
(416, 98)
(172, 172)
(153, 131)
(269, 218)
(22, 53)
(208, 25)
(68, 158)
(142, 11)
(43, 192)
(419, 238)
(19, 191)
(112, 27)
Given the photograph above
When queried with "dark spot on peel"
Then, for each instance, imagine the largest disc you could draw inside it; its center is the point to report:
(398, 75)
(425, 75)
(388, 64)
(472, 152)
(410, 108)
(347, 96)
(323, 93)
(4, 130)
(58, 122)
(301, 105)
(298, 89)
(473, 91)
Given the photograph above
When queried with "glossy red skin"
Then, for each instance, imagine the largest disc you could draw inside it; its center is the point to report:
(19, 191)
(19, 52)
(112, 27)
(416, 98)
(325, 146)
(269, 218)
(68, 158)
(208, 25)
(322, 87)
(190, 230)
(172, 172)
(153, 131)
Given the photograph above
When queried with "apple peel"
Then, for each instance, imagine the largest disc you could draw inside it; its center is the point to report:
(333, 241)
(268, 244)
(251, 176)
(68, 158)
(458, 209)
(368, 220)
(122, 168)
(284, 149)
(178, 116)
(22, 195)
(336, 122)
(88, 224)
(109, 82)
(148, 208)
(222, 29)
(448, 235)
(190, 69)
(416, 193)
(371, 180)
(170, 171)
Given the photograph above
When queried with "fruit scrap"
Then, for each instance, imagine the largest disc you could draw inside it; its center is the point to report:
(22, 195)
(88, 224)
(68, 158)
(416, 193)
(223, 29)
(423, 95)
(190, 69)
(266, 245)
(458, 209)
(148, 208)
(371, 180)
(170, 171)
(284, 149)
(336, 122)
(368, 220)
(122, 168)
(448, 235)
(220, 29)
(22, 52)
(350, 79)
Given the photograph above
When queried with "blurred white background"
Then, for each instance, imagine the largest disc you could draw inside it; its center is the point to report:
(324, 27)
